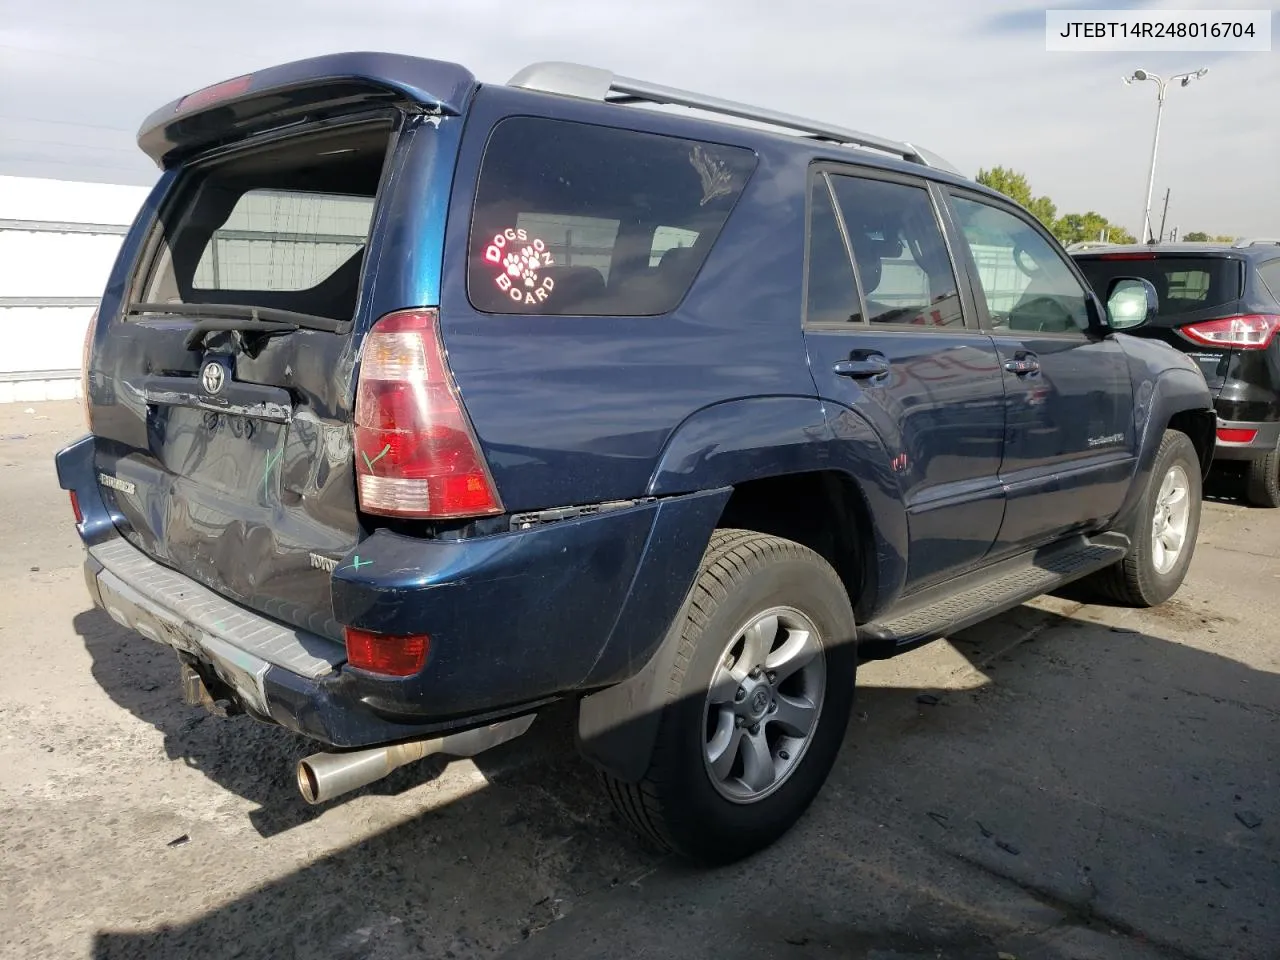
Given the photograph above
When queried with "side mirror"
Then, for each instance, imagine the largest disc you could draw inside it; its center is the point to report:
(1131, 303)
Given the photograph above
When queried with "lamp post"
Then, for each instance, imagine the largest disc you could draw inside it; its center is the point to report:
(1163, 86)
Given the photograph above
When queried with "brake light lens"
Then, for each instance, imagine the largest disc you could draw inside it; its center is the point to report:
(75, 508)
(1253, 331)
(1236, 435)
(416, 454)
(211, 95)
(1127, 256)
(383, 653)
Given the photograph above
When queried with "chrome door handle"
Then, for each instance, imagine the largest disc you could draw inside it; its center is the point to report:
(862, 368)
(1022, 365)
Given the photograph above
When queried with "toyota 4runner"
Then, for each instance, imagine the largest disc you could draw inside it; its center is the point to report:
(416, 404)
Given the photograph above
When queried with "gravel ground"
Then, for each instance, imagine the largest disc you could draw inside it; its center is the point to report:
(1066, 780)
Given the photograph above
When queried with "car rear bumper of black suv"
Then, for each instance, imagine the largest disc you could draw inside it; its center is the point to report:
(514, 619)
(1246, 440)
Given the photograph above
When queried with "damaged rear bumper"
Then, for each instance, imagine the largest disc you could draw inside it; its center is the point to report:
(515, 619)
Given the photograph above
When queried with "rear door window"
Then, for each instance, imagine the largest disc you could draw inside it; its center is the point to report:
(1183, 284)
(576, 219)
(832, 290)
(903, 264)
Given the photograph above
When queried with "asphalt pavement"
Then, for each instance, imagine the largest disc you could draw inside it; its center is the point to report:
(1066, 780)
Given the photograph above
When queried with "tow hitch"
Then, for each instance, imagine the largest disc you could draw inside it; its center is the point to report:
(214, 695)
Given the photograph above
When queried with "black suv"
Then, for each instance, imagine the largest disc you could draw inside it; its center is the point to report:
(1221, 305)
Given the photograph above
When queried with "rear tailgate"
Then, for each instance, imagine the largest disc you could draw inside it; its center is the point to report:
(1191, 287)
(221, 382)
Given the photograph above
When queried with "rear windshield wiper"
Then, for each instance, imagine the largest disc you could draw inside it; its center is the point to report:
(243, 317)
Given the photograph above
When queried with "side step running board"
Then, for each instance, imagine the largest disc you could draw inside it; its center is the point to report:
(974, 597)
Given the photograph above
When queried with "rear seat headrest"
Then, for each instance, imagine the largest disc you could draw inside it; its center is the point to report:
(574, 284)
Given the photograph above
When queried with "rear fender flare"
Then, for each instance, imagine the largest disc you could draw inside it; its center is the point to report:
(756, 438)
(717, 447)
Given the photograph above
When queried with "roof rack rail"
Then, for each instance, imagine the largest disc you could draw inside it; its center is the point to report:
(1256, 241)
(593, 83)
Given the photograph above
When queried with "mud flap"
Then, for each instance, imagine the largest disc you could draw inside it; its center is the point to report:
(618, 726)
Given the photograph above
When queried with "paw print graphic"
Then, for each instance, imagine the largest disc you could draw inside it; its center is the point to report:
(514, 264)
(533, 261)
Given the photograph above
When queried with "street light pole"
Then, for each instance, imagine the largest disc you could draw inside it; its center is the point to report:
(1163, 86)
(1151, 178)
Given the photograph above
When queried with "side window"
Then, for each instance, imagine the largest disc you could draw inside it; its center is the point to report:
(1026, 283)
(906, 272)
(1270, 273)
(573, 219)
(832, 291)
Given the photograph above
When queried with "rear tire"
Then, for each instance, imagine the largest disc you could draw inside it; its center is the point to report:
(1165, 538)
(1263, 481)
(733, 767)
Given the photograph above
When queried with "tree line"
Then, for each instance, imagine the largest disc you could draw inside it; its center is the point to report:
(1069, 228)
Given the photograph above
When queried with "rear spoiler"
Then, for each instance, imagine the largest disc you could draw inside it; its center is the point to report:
(291, 92)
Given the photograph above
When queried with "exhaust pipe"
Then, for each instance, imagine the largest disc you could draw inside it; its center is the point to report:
(323, 776)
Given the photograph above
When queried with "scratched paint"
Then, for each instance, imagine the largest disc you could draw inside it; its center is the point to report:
(272, 460)
(275, 412)
(382, 453)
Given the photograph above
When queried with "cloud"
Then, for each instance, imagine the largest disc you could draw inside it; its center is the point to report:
(970, 81)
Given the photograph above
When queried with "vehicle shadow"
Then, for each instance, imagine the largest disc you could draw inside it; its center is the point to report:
(1226, 484)
(1106, 777)
(252, 760)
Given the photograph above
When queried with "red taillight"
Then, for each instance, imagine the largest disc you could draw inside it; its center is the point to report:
(1249, 332)
(1236, 435)
(382, 653)
(416, 455)
(75, 508)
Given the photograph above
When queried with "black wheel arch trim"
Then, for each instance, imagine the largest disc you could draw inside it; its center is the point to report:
(1173, 394)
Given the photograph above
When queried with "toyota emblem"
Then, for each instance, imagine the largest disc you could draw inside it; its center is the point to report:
(212, 377)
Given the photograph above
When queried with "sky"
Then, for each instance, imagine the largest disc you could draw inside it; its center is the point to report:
(968, 79)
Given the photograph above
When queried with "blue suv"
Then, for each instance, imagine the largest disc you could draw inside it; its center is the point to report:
(416, 404)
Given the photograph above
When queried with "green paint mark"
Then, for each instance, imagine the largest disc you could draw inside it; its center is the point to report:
(357, 563)
(369, 463)
(272, 460)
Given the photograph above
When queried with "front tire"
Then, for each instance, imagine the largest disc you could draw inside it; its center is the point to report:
(1169, 521)
(757, 703)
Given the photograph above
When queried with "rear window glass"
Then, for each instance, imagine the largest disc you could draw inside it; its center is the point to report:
(283, 240)
(1183, 284)
(284, 227)
(575, 219)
